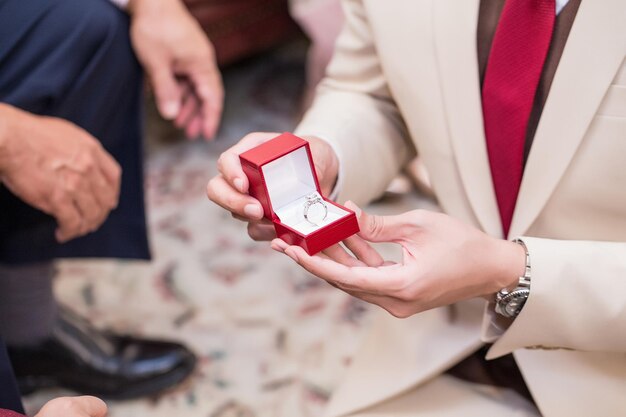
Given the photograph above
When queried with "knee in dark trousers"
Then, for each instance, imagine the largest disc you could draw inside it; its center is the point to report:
(47, 46)
(73, 59)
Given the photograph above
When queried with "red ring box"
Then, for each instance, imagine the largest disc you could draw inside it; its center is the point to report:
(281, 175)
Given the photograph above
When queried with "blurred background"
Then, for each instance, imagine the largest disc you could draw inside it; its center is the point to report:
(271, 340)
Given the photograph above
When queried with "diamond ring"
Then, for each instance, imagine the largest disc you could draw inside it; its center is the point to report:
(315, 210)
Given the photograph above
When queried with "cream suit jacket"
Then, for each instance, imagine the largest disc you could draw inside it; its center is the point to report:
(405, 78)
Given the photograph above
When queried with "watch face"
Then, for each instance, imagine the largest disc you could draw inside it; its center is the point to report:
(516, 301)
(514, 306)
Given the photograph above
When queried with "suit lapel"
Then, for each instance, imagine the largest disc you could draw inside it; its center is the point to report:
(397, 355)
(455, 24)
(592, 55)
(597, 376)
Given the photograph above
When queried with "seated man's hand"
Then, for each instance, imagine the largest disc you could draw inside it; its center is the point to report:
(73, 407)
(180, 63)
(58, 168)
(229, 188)
(444, 261)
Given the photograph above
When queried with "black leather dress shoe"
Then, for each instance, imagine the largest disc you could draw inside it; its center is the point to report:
(79, 358)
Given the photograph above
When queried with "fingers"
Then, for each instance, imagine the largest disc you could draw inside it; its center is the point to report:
(94, 407)
(91, 211)
(231, 193)
(106, 193)
(209, 89)
(229, 165)
(364, 251)
(373, 285)
(167, 90)
(190, 116)
(189, 108)
(390, 304)
(109, 167)
(357, 278)
(83, 201)
(230, 188)
(222, 193)
(194, 127)
(339, 254)
(384, 302)
(77, 210)
(96, 189)
(261, 232)
(84, 406)
(381, 228)
(262, 222)
(69, 220)
(107, 180)
(335, 253)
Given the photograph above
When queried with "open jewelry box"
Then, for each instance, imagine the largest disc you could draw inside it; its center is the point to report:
(282, 176)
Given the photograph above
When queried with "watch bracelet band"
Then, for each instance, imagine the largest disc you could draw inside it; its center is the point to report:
(510, 303)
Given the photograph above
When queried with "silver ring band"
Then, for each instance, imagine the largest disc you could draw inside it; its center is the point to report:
(311, 201)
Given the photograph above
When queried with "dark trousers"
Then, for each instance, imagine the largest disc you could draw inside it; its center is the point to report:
(9, 394)
(73, 59)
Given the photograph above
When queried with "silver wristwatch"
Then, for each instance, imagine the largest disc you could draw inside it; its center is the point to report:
(509, 304)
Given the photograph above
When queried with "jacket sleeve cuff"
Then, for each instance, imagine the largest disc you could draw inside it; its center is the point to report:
(576, 300)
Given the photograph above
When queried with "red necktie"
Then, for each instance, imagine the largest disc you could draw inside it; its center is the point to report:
(515, 64)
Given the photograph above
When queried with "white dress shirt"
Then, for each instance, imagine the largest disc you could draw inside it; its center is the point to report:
(559, 5)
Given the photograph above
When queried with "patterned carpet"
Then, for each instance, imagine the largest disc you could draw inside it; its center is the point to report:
(272, 341)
